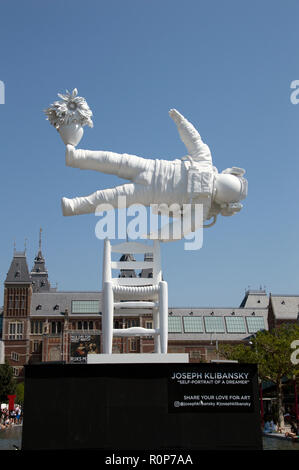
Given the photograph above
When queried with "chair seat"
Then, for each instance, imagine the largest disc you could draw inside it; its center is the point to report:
(135, 304)
(136, 331)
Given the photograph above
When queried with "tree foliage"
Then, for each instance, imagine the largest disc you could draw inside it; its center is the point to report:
(272, 351)
(7, 382)
(20, 393)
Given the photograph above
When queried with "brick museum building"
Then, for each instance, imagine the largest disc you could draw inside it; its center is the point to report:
(40, 323)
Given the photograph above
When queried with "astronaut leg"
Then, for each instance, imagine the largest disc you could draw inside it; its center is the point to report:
(123, 165)
(118, 197)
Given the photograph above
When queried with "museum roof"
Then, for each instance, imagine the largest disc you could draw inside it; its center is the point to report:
(18, 272)
(56, 303)
(255, 298)
(216, 323)
(285, 307)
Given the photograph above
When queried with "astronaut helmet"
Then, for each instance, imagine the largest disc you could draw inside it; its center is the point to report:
(230, 186)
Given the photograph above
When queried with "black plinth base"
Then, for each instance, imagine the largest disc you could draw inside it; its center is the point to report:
(141, 407)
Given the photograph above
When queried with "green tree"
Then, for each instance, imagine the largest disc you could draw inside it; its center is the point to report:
(20, 393)
(271, 350)
(7, 382)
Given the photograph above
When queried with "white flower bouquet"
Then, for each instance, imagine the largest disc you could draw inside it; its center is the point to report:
(69, 116)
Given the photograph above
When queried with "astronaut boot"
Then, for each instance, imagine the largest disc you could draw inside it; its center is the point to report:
(67, 207)
(81, 205)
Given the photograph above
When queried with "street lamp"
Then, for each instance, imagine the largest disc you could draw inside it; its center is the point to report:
(216, 342)
(260, 382)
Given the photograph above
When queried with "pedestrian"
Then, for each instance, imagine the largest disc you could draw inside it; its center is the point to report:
(18, 414)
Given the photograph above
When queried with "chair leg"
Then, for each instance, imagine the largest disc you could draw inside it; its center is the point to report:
(107, 318)
(163, 313)
(157, 341)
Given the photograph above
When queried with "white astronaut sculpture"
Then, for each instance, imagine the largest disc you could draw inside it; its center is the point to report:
(188, 182)
(191, 180)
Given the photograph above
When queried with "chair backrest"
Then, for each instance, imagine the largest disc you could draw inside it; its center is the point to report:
(132, 248)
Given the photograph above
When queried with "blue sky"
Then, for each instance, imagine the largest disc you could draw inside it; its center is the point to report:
(226, 65)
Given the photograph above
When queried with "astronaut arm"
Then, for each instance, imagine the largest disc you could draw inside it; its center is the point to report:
(197, 149)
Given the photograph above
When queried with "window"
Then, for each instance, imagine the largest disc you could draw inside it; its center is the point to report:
(85, 306)
(193, 324)
(15, 371)
(149, 325)
(235, 324)
(14, 356)
(10, 301)
(84, 325)
(196, 355)
(214, 325)
(133, 345)
(36, 347)
(131, 322)
(255, 324)
(15, 330)
(36, 327)
(55, 327)
(174, 325)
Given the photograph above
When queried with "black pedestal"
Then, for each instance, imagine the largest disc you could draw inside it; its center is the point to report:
(141, 407)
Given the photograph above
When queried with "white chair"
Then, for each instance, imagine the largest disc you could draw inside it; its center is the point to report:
(134, 293)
